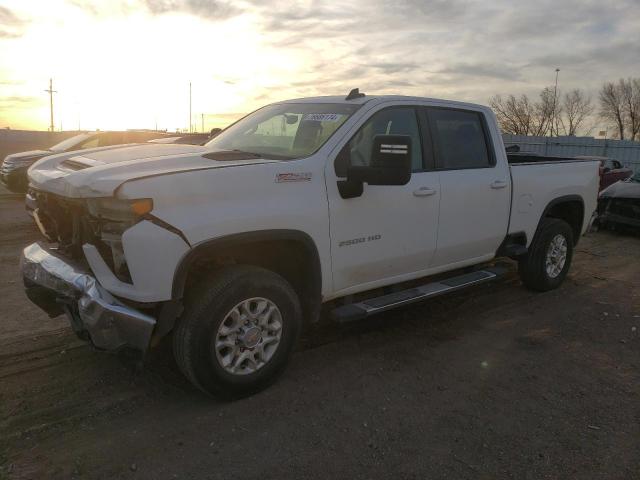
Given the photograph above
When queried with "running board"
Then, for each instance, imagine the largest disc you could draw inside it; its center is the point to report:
(366, 308)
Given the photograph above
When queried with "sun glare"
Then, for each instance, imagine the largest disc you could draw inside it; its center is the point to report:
(114, 71)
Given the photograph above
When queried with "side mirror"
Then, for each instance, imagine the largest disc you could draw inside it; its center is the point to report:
(390, 164)
(606, 170)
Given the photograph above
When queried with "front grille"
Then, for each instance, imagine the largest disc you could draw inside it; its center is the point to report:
(64, 222)
(67, 223)
(14, 164)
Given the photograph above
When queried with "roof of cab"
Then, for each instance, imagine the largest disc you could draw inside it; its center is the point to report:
(382, 98)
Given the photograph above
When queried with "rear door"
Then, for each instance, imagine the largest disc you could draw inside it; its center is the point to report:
(475, 188)
(388, 233)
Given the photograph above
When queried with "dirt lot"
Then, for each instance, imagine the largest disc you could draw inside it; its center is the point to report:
(494, 382)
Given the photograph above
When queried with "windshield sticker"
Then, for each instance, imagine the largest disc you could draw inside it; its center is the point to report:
(323, 117)
(293, 177)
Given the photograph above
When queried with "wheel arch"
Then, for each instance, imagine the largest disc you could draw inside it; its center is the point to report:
(291, 253)
(569, 208)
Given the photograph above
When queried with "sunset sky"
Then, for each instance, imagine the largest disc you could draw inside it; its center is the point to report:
(128, 63)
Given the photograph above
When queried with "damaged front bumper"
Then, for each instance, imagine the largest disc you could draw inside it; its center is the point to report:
(57, 287)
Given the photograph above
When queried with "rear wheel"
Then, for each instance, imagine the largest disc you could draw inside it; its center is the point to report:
(238, 330)
(547, 262)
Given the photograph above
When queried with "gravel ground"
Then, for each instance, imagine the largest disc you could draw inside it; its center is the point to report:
(488, 383)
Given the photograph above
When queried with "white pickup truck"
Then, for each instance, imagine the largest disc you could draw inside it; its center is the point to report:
(339, 204)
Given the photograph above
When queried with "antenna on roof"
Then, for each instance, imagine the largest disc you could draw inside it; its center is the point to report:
(355, 93)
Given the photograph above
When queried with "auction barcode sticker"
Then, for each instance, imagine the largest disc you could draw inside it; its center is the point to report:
(323, 117)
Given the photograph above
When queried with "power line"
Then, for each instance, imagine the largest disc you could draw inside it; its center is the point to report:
(554, 119)
(51, 91)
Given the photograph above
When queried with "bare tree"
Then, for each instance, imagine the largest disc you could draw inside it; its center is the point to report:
(521, 116)
(630, 92)
(612, 105)
(514, 114)
(546, 111)
(576, 108)
(636, 103)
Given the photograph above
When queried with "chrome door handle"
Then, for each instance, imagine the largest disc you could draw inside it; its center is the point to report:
(498, 184)
(424, 192)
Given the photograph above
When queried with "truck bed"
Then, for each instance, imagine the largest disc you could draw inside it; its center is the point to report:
(539, 183)
(518, 158)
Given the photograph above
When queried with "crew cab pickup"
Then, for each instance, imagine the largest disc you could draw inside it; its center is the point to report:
(350, 205)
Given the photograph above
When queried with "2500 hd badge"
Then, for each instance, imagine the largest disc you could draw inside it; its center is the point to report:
(370, 238)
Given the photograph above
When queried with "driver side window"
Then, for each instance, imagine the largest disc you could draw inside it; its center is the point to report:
(390, 121)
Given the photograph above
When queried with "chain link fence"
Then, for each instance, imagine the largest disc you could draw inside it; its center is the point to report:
(625, 151)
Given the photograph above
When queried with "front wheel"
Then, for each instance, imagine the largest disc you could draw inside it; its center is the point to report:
(238, 330)
(546, 264)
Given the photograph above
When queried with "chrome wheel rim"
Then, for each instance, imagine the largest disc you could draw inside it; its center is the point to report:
(249, 336)
(556, 256)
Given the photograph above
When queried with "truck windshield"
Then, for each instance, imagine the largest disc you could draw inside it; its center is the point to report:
(284, 131)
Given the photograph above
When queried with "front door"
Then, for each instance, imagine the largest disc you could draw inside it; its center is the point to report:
(389, 232)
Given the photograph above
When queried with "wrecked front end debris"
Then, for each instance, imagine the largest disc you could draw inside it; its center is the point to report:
(58, 286)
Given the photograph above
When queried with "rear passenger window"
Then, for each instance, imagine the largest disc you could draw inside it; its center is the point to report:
(459, 139)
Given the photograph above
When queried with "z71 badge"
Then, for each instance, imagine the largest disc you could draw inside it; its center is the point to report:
(355, 241)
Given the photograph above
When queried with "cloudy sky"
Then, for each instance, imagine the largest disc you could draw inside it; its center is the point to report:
(128, 63)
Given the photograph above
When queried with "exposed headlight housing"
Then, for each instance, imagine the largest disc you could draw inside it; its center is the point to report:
(119, 210)
(111, 217)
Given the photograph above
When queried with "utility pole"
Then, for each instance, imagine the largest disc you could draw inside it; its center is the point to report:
(190, 117)
(554, 120)
(51, 91)
(202, 121)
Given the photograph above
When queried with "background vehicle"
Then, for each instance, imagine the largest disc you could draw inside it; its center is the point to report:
(347, 203)
(13, 171)
(611, 170)
(619, 204)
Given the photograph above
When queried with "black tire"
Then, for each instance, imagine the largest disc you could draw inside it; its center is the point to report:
(532, 266)
(206, 307)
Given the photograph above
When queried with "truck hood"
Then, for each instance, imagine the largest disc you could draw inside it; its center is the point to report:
(622, 189)
(99, 172)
